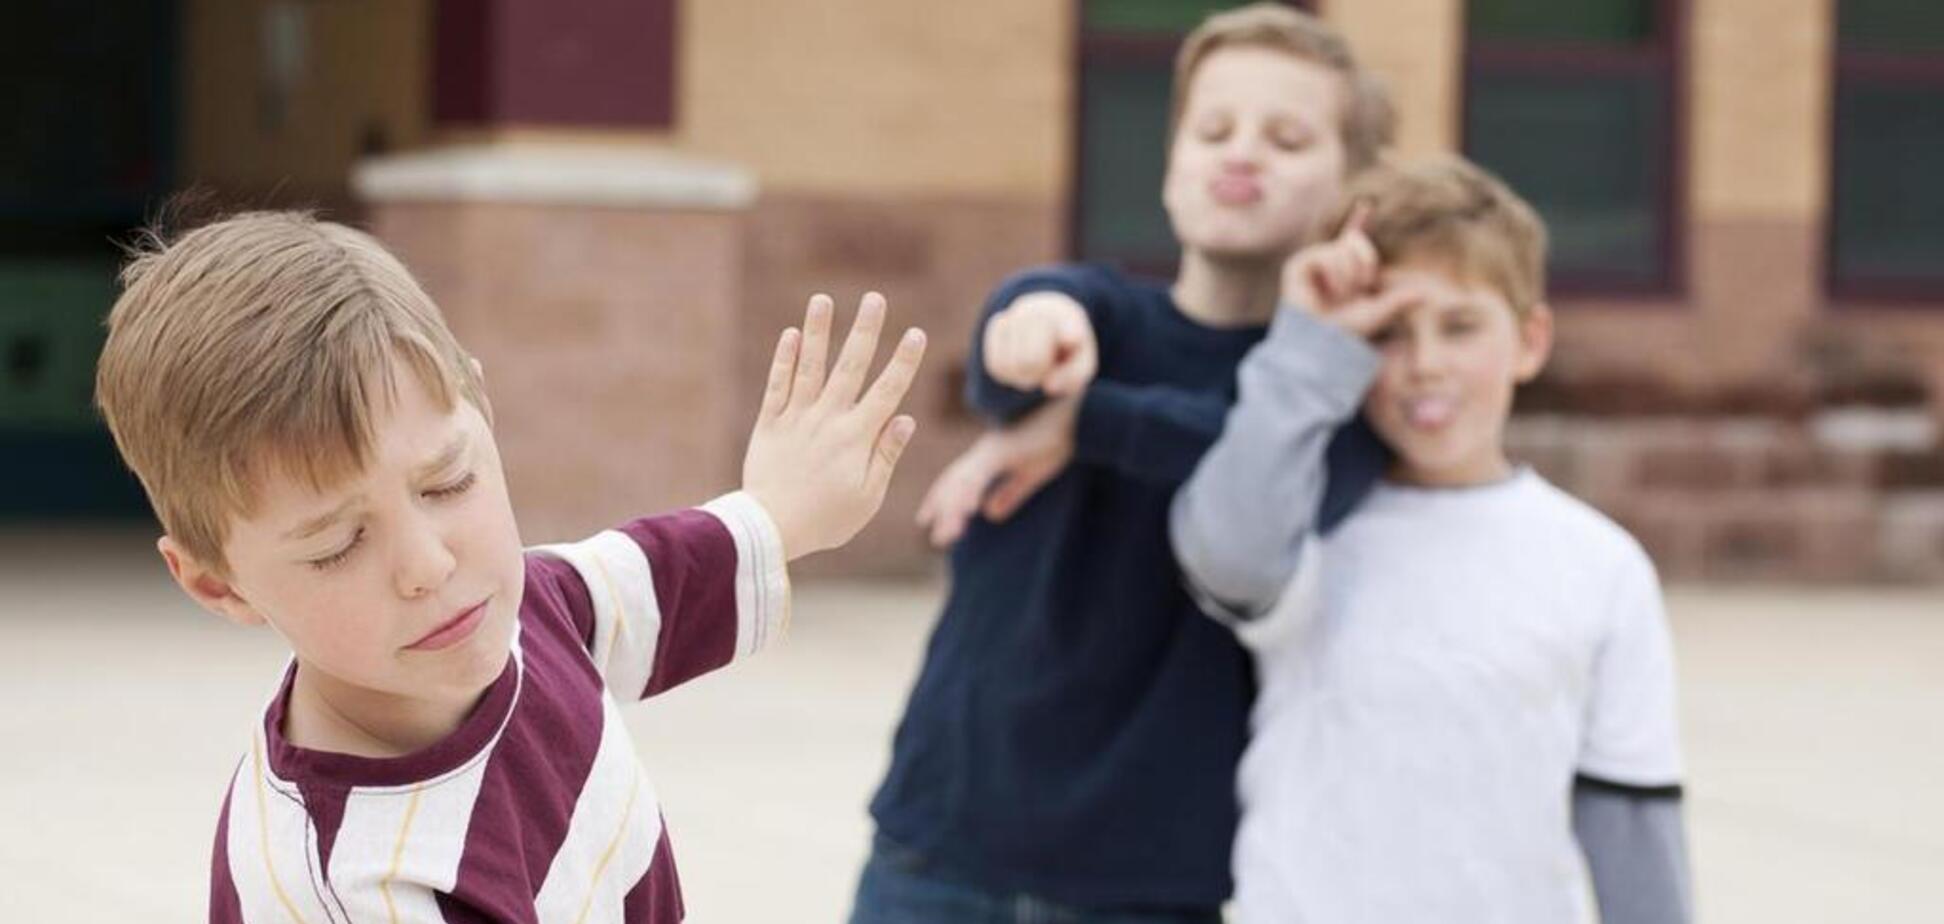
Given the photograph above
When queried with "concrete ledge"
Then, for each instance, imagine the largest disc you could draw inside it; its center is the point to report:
(555, 174)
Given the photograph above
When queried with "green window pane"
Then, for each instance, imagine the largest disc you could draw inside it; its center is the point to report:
(1890, 25)
(1123, 154)
(1889, 208)
(1167, 17)
(1606, 22)
(1588, 151)
(50, 337)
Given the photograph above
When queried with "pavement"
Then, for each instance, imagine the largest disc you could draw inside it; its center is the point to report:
(1813, 721)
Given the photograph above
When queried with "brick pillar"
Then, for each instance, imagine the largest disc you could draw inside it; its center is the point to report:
(1759, 82)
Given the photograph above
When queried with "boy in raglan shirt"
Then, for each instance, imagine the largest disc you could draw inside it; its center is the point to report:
(1467, 689)
(446, 744)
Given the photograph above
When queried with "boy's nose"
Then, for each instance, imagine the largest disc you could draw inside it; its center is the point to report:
(1428, 356)
(425, 564)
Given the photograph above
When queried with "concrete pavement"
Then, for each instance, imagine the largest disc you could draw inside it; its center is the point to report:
(1813, 720)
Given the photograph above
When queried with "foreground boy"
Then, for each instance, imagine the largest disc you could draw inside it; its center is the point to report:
(1473, 668)
(1069, 750)
(445, 745)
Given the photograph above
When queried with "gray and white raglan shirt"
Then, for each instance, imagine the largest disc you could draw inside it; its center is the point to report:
(1467, 695)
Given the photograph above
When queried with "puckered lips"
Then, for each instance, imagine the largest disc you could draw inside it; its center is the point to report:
(1233, 189)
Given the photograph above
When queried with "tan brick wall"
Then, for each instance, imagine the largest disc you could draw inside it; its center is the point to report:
(881, 97)
(1759, 108)
(1417, 46)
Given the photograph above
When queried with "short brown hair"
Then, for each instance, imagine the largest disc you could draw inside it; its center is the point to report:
(1448, 208)
(264, 338)
(1368, 121)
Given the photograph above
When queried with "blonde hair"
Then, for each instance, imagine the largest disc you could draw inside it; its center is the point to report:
(1368, 120)
(267, 338)
(1449, 209)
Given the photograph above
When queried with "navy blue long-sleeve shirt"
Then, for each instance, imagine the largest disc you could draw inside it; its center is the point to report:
(1075, 728)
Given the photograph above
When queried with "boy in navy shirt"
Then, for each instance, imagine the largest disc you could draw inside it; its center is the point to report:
(1069, 750)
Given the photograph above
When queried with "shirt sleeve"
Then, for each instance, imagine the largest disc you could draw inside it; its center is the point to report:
(1631, 736)
(1635, 844)
(669, 598)
(1239, 524)
(1153, 433)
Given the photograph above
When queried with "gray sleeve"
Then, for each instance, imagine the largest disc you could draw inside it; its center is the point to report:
(1636, 849)
(1238, 524)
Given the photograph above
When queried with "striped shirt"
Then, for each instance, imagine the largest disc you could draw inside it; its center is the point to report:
(536, 809)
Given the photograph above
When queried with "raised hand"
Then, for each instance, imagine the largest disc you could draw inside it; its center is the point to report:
(824, 446)
(1340, 280)
(1042, 341)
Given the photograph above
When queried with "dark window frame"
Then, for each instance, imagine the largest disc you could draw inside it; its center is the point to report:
(483, 77)
(1848, 67)
(1665, 51)
(1111, 47)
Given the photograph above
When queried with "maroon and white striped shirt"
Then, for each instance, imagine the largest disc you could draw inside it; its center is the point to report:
(536, 809)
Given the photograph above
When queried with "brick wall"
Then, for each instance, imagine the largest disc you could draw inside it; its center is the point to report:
(1837, 495)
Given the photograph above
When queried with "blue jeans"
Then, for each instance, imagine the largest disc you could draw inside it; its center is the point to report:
(900, 887)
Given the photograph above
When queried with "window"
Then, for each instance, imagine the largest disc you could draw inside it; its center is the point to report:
(88, 152)
(1886, 226)
(565, 62)
(1127, 51)
(1575, 105)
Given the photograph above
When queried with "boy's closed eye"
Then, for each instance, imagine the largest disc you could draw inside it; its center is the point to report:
(1214, 126)
(338, 557)
(447, 491)
(1290, 135)
(1458, 324)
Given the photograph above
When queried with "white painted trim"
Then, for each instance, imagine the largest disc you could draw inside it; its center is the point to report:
(555, 174)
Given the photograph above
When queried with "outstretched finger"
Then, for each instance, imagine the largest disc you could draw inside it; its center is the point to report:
(881, 401)
(776, 392)
(854, 361)
(1359, 216)
(813, 352)
(1368, 263)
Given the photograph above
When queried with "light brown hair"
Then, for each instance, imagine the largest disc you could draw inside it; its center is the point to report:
(262, 342)
(1448, 209)
(1368, 120)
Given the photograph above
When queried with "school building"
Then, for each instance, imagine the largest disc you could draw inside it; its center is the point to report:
(618, 203)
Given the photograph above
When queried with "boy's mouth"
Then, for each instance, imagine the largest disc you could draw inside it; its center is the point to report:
(1430, 413)
(453, 631)
(1235, 190)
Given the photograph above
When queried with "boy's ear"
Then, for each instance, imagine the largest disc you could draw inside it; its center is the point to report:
(205, 585)
(1535, 342)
